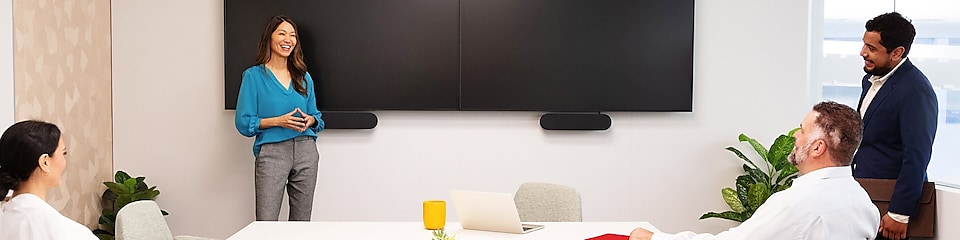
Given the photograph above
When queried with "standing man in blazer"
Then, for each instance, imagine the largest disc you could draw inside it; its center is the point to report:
(899, 111)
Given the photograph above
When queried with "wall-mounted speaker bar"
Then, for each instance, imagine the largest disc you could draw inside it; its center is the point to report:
(349, 120)
(575, 121)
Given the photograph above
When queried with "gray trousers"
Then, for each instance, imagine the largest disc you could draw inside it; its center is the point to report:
(290, 164)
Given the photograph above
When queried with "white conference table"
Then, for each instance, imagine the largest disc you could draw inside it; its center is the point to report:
(415, 231)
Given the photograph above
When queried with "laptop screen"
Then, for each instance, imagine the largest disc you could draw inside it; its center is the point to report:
(488, 211)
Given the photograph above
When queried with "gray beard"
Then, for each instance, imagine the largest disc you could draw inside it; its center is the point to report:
(793, 155)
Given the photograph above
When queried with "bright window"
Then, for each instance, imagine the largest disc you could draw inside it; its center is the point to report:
(936, 51)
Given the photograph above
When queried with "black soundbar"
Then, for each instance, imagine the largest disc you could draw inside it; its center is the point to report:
(349, 120)
(575, 121)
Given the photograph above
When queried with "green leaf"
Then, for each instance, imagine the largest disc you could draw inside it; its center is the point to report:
(779, 151)
(118, 188)
(758, 194)
(762, 151)
(743, 189)
(111, 227)
(789, 181)
(123, 200)
(740, 155)
(141, 185)
(729, 215)
(146, 195)
(108, 196)
(104, 220)
(153, 193)
(785, 185)
(792, 131)
(102, 231)
(781, 188)
(730, 196)
(120, 177)
(107, 216)
(104, 236)
(439, 234)
(137, 196)
(786, 173)
(759, 176)
(131, 183)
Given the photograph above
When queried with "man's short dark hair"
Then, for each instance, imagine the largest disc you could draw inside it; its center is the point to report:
(842, 130)
(895, 31)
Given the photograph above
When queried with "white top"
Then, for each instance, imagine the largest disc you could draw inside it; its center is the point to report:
(824, 204)
(876, 82)
(26, 216)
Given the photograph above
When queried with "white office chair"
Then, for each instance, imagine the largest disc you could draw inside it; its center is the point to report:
(546, 202)
(143, 220)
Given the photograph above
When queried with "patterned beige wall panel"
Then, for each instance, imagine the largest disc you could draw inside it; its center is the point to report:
(62, 74)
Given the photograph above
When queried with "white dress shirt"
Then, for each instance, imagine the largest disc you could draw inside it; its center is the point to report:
(26, 216)
(824, 204)
(876, 82)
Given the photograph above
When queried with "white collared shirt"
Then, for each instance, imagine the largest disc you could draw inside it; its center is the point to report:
(876, 82)
(824, 204)
(26, 216)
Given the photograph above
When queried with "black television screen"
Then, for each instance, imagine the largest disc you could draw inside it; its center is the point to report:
(576, 55)
(362, 54)
(531, 55)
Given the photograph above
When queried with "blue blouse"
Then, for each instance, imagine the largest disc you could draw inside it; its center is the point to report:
(262, 96)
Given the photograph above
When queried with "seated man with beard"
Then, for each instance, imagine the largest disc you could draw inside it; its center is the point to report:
(825, 202)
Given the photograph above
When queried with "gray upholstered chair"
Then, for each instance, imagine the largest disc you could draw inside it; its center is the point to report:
(546, 202)
(143, 220)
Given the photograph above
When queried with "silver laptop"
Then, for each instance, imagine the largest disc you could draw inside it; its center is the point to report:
(488, 211)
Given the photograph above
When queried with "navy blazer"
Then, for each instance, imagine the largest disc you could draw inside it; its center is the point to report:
(898, 131)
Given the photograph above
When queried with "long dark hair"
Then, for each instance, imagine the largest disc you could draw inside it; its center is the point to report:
(295, 64)
(20, 147)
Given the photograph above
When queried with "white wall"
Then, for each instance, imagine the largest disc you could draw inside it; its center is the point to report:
(750, 76)
(6, 64)
(948, 213)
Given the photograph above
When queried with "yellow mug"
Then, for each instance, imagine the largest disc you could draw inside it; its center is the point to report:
(434, 214)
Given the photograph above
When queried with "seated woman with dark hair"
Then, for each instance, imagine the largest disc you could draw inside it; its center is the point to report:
(32, 159)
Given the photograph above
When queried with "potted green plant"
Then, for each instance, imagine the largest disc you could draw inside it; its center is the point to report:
(439, 234)
(123, 190)
(756, 184)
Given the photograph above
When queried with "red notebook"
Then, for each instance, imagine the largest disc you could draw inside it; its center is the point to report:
(610, 236)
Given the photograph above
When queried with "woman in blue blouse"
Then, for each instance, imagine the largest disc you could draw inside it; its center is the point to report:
(277, 104)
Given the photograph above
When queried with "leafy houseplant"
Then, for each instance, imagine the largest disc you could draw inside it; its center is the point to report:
(123, 190)
(439, 234)
(756, 184)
